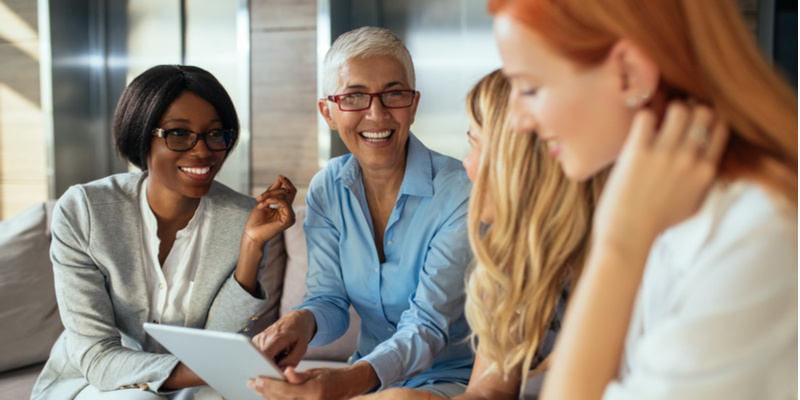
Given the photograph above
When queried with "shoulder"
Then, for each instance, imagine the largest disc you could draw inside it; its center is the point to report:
(736, 211)
(327, 178)
(740, 231)
(450, 181)
(112, 190)
(221, 196)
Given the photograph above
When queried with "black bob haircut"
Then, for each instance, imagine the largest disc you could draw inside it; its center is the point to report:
(145, 100)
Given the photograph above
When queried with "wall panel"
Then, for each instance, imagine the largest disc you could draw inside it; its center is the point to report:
(283, 96)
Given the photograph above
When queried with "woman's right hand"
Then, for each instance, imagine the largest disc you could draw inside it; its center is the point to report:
(273, 214)
(286, 341)
(662, 175)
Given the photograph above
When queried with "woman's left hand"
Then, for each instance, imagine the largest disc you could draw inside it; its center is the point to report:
(273, 213)
(661, 177)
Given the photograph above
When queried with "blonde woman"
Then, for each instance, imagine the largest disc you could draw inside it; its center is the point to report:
(690, 289)
(528, 258)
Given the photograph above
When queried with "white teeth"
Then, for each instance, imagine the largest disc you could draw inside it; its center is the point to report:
(376, 136)
(552, 143)
(196, 171)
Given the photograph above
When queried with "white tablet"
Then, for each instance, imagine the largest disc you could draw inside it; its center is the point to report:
(225, 360)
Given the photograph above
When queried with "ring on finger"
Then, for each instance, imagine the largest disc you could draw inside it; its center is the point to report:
(699, 135)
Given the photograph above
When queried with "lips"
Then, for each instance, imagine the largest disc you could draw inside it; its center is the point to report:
(199, 173)
(376, 137)
(553, 147)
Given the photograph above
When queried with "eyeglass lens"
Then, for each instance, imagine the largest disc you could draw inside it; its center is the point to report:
(361, 101)
(182, 139)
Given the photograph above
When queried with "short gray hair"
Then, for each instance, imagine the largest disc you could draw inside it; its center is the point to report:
(367, 41)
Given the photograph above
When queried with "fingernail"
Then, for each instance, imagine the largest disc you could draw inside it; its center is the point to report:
(251, 384)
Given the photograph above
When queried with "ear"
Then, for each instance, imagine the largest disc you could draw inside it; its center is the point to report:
(414, 107)
(638, 75)
(325, 110)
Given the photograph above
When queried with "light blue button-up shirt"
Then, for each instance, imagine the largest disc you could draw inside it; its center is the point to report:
(413, 328)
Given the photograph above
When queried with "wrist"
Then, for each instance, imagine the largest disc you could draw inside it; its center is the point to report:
(250, 243)
(363, 378)
(309, 322)
(630, 242)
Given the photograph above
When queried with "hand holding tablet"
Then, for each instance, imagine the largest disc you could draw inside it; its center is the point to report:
(225, 360)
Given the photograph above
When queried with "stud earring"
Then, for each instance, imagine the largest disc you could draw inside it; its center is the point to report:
(637, 100)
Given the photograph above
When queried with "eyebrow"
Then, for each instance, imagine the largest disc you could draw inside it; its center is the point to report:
(386, 86)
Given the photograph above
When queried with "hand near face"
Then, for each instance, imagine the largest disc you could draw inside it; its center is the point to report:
(662, 175)
(273, 214)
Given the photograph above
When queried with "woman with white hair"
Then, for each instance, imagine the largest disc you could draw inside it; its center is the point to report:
(387, 233)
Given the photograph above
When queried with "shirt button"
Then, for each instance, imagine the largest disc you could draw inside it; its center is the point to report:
(376, 269)
(161, 286)
(390, 243)
(390, 330)
(378, 305)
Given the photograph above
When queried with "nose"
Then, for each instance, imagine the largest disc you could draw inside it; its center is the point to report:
(376, 110)
(200, 149)
(522, 119)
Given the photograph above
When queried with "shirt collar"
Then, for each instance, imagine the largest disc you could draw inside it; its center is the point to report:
(418, 176)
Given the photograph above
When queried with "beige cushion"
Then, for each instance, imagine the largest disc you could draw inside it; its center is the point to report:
(29, 315)
(294, 288)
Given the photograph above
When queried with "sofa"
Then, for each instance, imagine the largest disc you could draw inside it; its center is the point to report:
(29, 320)
(30, 324)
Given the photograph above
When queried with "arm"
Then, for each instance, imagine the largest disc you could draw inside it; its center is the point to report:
(241, 296)
(659, 180)
(263, 224)
(488, 387)
(86, 308)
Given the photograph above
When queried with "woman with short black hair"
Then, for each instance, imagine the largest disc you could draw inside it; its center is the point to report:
(158, 245)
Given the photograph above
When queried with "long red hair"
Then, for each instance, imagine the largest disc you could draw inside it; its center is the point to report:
(703, 51)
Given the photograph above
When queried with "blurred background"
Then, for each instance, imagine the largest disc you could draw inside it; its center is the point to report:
(64, 64)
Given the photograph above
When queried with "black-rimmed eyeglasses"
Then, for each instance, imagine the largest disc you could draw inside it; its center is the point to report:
(185, 140)
(363, 101)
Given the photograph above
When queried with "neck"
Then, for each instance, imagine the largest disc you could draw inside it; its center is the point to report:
(171, 210)
(382, 185)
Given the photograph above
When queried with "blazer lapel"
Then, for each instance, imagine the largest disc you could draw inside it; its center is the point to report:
(218, 256)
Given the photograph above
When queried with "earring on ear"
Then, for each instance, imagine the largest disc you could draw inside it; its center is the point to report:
(637, 100)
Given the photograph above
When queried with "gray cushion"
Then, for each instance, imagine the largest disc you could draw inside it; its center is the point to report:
(29, 313)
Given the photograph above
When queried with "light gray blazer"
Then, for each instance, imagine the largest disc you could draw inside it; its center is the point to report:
(102, 295)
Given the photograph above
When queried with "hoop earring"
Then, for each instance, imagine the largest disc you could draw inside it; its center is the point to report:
(636, 101)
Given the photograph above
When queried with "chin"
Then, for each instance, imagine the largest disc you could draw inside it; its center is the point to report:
(487, 217)
(576, 172)
(196, 192)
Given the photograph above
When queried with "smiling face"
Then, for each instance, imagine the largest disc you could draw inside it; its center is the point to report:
(375, 136)
(579, 112)
(186, 174)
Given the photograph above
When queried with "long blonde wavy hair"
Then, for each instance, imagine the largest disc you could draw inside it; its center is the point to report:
(537, 243)
(703, 51)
